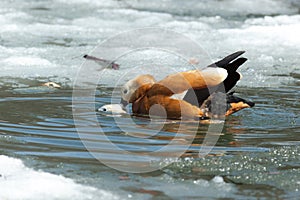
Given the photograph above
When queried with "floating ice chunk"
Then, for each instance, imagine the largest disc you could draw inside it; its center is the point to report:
(218, 179)
(51, 85)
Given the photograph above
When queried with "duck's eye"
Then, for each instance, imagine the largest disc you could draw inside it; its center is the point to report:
(125, 91)
(104, 109)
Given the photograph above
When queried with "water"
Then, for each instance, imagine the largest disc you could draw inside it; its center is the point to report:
(256, 156)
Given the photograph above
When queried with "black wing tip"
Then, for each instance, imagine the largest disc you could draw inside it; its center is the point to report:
(240, 52)
(243, 58)
(228, 59)
(233, 66)
(235, 54)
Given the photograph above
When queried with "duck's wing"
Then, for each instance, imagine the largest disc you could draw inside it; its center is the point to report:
(194, 79)
(198, 96)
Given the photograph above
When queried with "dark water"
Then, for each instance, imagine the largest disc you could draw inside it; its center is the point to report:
(257, 154)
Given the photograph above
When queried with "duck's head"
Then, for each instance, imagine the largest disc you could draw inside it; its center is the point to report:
(136, 88)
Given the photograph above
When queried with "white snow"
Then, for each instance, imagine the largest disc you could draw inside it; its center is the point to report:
(18, 182)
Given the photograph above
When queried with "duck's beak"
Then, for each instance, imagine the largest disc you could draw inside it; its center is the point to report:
(123, 102)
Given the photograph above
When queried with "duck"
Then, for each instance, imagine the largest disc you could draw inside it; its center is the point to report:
(193, 94)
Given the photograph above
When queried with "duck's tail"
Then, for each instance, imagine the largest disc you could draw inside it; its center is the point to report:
(231, 63)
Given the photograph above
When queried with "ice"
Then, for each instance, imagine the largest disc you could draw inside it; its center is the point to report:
(272, 45)
(214, 188)
(25, 61)
(100, 3)
(195, 7)
(39, 40)
(275, 31)
(26, 66)
(215, 7)
(20, 182)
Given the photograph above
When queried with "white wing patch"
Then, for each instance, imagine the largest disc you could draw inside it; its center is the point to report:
(179, 96)
(214, 75)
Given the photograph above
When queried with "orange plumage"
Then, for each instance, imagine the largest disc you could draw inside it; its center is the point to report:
(203, 92)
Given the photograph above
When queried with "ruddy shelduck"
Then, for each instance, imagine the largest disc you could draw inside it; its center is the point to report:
(204, 94)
